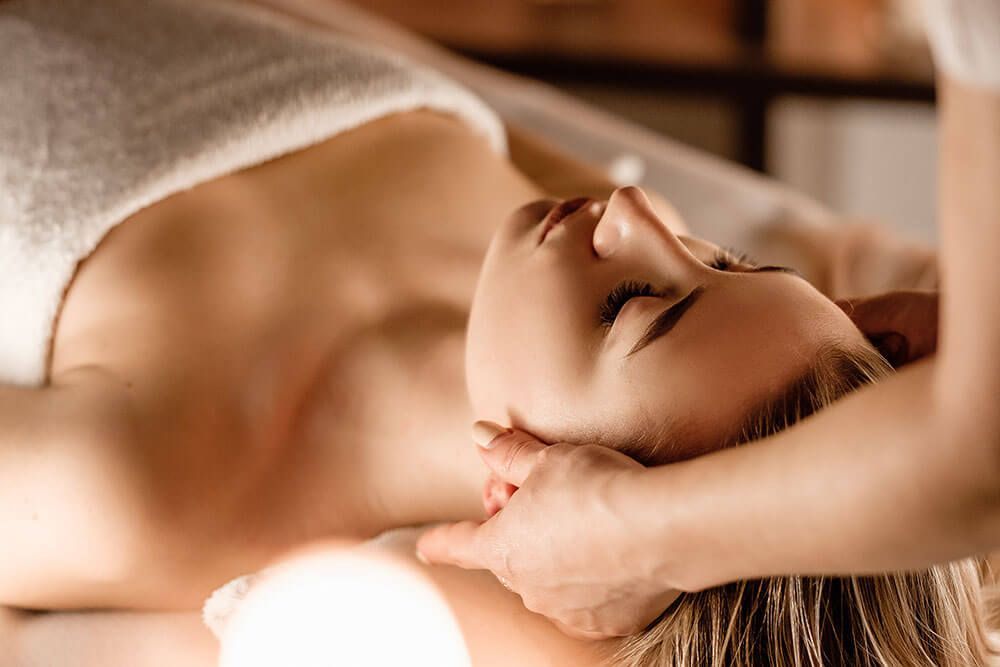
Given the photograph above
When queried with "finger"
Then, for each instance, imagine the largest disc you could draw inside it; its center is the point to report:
(900, 310)
(901, 324)
(496, 494)
(490, 502)
(503, 493)
(576, 633)
(512, 456)
(502, 496)
(493, 503)
(868, 314)
(453, 544)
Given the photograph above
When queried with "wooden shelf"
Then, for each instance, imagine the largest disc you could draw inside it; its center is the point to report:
(746, 52)
(628, 31)
(860, 40)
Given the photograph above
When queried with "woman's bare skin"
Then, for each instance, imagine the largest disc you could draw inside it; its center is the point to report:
(235, 367)
(497, 629)
(234, 361)
(249, 340)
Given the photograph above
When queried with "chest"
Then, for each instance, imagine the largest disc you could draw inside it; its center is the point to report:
(398, 211)
(224, 308)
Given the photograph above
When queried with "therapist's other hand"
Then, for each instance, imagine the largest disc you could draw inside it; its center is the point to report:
(903, 324)
(560, 542)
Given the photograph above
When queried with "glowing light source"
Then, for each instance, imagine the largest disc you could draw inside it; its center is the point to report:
(343, 609)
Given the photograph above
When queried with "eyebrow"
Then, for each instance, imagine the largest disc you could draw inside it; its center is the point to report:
(669, 318)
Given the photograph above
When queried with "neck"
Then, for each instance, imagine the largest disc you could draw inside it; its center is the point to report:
(389, 429)
(429, 468)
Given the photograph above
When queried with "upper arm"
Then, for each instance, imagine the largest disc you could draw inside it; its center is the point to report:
(69, 509)
(559, 174)
(564, 176)
(106, 639)
(497, 628)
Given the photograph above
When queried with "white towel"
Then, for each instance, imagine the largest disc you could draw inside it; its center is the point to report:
(107, 106)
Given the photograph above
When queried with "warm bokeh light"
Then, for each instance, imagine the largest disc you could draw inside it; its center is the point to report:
(356, 609)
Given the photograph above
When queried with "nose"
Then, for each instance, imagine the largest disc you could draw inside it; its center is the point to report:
(629, 224)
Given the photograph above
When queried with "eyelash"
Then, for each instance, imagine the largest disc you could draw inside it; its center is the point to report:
(725, 258)
(620, 295)
(630, 289)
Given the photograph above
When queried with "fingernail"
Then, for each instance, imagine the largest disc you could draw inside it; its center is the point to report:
(484, 433)
(422, 558)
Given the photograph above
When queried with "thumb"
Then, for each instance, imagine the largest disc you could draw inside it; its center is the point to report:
(511, 454)
(453, 544)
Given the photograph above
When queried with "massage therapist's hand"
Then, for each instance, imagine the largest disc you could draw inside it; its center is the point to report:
(903, 324)
(560, 541)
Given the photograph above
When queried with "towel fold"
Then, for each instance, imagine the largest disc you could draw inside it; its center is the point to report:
(108, 106)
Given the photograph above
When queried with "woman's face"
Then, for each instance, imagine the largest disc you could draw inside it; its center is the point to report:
(548, 353)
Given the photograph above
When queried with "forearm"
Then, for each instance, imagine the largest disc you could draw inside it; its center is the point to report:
(102, 639)
(841, 492)
(965, 38)
(969, 205)
(902, 474)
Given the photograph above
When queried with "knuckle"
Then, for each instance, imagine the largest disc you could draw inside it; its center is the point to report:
(505, 564)
(618, 629)
(544, 456)
(498, 559)
(592, 621)
(562, 448)
(556, 453)
(514, 450)
(533, 603)
(577, 621)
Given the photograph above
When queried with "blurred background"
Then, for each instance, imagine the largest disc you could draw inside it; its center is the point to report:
(834, 97)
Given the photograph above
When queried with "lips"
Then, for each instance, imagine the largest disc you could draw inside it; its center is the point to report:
(560, 211)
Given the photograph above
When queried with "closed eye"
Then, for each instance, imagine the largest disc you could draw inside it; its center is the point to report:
(621, 295)
(725, 258)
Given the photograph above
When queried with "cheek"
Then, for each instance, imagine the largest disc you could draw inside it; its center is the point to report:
(506, 373)
(525, 352)
(497, 345)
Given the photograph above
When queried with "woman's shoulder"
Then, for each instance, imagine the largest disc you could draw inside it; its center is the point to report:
(497, 627)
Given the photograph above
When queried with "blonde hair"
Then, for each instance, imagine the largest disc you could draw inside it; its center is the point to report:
(931, 618)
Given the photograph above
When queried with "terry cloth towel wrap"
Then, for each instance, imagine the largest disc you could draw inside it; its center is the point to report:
(108, 106)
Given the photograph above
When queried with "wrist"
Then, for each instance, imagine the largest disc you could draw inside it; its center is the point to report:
(651, 520)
